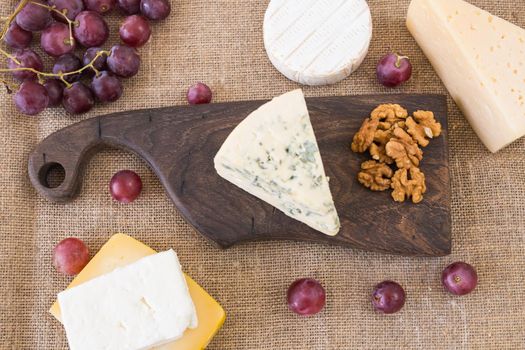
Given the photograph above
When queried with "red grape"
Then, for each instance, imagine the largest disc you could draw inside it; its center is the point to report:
(106, 87)
(388, 297)
(198, 94)
(28, 59)
(459, 278)
(124, 61)
(54, 88)
(135, 31)
(71, 8)
(129, 7)
(394, 70)
(68, 63)
(32, 17)
(125, 186)
(155, 9)
(92, 30)
(31, 98)
(100, 63)
(70, 256)
(55, 40)
(18, 38)
(78, 99)
(306, 297)
(100, 6)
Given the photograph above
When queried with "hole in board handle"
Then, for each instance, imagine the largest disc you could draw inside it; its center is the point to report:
(52, 175)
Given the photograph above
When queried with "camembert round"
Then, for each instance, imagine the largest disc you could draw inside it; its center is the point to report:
(317, 42)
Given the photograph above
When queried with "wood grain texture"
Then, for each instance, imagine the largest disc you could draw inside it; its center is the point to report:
(179, 144)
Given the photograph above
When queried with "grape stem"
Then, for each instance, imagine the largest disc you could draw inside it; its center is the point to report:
(9, 56)
(60, 75)
(398, 60)
(9, 86)
(8, 20)
(70, 23)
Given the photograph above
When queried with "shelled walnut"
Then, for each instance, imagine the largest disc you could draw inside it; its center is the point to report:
(423, 126)
(392, 136)
(365, 136)
(408, 183)
(375, 176)
(378, 147)
(404, 150)
(389, 112)
(389, 115)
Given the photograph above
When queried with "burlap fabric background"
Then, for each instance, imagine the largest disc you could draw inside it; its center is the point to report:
(220, 42)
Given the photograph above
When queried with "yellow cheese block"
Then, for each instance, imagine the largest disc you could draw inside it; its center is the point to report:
(480, 58)
(123, 250)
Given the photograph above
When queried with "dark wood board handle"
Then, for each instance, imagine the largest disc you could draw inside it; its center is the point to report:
(179, 144)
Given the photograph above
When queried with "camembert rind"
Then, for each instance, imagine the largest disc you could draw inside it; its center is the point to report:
(136, 307)
(273, 154)
(481, 60)
(317, 42)
(121, 250)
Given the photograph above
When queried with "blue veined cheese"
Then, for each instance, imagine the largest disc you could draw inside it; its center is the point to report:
(273, 155)
(317, 42)
(136, 307)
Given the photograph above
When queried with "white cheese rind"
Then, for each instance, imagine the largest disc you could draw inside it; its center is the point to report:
(481, 60)
(317, 42)
(136, 307)
(273, 154)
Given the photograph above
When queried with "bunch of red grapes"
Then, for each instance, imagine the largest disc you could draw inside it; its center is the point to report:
(65, 25)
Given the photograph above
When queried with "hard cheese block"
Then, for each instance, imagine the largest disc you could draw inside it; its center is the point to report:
(481, 60)
(134, 307)
(122, 250)
(273, 154)
(317, 42)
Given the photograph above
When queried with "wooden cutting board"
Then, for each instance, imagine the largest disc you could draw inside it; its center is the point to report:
(179, 144)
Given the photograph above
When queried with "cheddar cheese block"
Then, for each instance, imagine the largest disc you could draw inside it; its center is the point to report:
(481, 60)
(273, 154)
(122, 250)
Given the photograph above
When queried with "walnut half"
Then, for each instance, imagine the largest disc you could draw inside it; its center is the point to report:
(375, 176)
(423, 126)
(404, 150)
(408, 183)
(389, 115)
(378, 147)
(365, 136)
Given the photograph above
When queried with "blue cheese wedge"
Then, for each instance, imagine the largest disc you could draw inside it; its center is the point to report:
(273, 155)
(139, 306)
